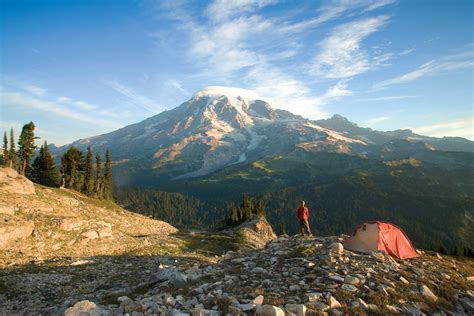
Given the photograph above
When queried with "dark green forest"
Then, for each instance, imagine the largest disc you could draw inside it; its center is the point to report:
(434, 206)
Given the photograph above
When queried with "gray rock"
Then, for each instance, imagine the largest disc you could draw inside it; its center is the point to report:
(427, 293)
(269, 310)
(173, 276)
(349, 287)
(337, 247)
(351, 280)
(297, 309)
(467, 304)
(314, 297)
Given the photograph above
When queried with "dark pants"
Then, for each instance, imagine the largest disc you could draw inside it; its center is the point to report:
(304, 227)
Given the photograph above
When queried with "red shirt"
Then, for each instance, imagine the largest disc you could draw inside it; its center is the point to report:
(303, 212)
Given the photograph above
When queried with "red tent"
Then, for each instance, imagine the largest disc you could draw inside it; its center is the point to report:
(384, 236)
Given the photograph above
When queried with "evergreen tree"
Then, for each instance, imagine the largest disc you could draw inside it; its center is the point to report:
(108, 176)
(98, 185)
(234, 216)
(6, 154)
(26, 147)
(13, 156)
(72, 168)
(89, 176)
(44, 170)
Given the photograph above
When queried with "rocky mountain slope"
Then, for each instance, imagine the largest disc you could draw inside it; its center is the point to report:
(66, 254)
(294, 276)
(221, 127)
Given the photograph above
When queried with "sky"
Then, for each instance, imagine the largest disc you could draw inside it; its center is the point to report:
(83, 68)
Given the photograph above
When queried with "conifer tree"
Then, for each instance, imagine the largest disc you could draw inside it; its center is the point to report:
(72, 168)
(89, 176)
(26, 147)
(98, 185)
(6, 154)
(44, 170)
(13, 156)
(108, 176)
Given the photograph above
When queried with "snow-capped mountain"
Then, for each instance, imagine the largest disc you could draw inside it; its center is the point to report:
(222, 126)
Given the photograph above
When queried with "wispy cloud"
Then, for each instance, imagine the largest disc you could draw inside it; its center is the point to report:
(449, 63)
(220, 10)
(387, 98)
(341, 54)
(38, 91)
(463, 127)
(135, 98)
(375, 120)
(335, 9)
(18, 99)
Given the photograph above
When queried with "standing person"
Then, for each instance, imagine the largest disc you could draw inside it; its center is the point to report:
(303, 217)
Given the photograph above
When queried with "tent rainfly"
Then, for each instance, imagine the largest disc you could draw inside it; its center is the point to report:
(373, 236)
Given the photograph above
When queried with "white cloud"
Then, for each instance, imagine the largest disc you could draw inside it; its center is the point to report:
(375, 120)
(135, 98)
(224, 9)
(341, 54)
(406, 51)
(178, 87)
(387, 98)
(35, 90)
(449, 63)
(17, 99)
(336, 9)
(461, 127)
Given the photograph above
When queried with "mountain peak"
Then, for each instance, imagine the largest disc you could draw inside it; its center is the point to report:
(338, 117)
(215, 92)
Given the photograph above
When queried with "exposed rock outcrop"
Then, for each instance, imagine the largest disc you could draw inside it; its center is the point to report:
(256, 232)
(12, 182)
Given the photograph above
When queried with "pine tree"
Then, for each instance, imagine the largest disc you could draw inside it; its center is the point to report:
(108, 176)
(234, 216)
(72, 168)
(6, 154)
(44, 170)
(26, 147)
(98, 185)
(89, 176)
(13, 156)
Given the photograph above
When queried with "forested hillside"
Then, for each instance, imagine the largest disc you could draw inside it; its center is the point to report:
(434, 206)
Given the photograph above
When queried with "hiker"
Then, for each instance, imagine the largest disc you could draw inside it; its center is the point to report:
(303, 217)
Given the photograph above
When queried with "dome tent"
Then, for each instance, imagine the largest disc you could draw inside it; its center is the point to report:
(373, 236)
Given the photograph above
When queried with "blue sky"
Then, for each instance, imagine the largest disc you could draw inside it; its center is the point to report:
(82, 68)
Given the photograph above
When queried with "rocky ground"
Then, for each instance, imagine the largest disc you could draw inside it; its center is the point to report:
(66, 254)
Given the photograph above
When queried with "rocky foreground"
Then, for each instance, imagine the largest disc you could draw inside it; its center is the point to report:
(294, 276)
(66, 254)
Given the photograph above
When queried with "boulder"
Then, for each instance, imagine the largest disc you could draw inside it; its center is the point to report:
(269, 310)
(314, 297)
(14, 230)
(297, 309)
(258, 300)
(85, 308)
(174, 277)
(351, 280)
(333, 303)
(7, 209)
(337, 247)
(427, 293)
(256, 232)
(14, 183)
